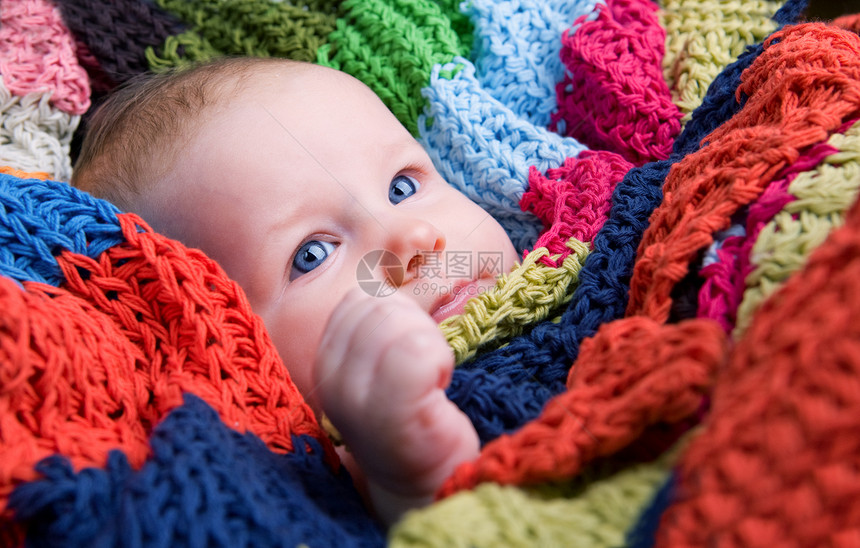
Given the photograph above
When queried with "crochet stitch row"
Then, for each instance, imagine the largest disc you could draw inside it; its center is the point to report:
(35, 135)
(530, 293)
(704, 37)
(573, 202)
(633, 116)
(264, 29)
(173, 382)
(38, 54)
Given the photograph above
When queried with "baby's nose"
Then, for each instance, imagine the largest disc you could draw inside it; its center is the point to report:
(409, 240)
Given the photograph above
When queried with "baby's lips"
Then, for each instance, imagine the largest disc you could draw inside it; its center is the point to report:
(454, 301)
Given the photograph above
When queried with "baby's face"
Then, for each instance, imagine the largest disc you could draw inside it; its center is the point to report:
(305, 187)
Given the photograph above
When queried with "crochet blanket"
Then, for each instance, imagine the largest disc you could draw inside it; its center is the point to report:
(675, 362)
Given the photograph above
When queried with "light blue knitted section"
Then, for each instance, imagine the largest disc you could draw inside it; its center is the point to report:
(516, 50)
(484, 149)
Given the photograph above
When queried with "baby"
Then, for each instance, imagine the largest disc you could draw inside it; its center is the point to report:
(294, 177)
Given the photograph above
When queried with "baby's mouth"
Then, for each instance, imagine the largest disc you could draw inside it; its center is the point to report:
(454, 301)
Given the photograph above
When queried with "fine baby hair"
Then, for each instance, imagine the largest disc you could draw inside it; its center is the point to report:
(137, 132)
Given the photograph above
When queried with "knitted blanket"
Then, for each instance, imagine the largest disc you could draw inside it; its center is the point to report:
(674, 362)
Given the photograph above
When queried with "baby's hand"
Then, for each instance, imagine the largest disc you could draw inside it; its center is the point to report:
(381, 371)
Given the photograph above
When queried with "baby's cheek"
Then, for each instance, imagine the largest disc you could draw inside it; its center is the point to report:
(296, 345)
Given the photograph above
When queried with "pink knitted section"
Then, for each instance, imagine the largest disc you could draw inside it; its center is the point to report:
(573, 201)
(37, 54)
(722, 290)
(724, 285)
(614, 96)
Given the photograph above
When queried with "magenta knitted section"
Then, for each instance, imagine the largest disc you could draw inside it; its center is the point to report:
(614, 96)
(573, 201)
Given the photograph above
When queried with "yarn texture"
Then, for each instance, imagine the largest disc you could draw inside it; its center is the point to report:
(672, 362)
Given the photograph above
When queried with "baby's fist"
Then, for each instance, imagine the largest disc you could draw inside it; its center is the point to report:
(381, 369)
(379, 352)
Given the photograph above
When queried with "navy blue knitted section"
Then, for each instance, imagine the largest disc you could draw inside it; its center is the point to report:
(644, 532)
(117, 32)
(536, 363)
(791, 12)
(205, 485)
(495, 403)
(40, 219)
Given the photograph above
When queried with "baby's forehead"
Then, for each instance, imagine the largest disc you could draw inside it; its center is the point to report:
(308, 80)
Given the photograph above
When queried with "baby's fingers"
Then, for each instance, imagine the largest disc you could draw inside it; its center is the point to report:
(336, 371)
(379, 348)
(414, 361)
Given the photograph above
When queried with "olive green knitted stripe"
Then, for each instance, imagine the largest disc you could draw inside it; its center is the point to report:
(596, 509)
(180, 50)
(703, 37)
(525, 296)
(784, 244)
(392, 45)
(259, 28)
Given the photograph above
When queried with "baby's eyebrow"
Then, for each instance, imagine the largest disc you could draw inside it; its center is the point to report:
(284, 222)
(396, 150)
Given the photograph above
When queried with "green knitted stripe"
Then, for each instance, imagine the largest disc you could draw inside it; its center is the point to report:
(259, 28)
(180, 50)
(594, 510)
(392, 45)
(784, 245)
(703, 37)
(525, 296)
(461, 24)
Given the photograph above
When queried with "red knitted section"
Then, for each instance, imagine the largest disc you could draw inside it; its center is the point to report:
(817, 89)
(850, 22)
(94, 365)
(614, 96)
(196, 330)
(573, 201)
(68, 384)
(633, 374)
(778, 461)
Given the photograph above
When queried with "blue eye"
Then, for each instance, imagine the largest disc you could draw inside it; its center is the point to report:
(402, 187)
(309, 256)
